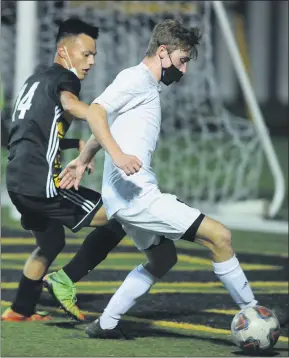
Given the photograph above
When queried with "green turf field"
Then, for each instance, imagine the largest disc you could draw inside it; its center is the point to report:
(187, 314)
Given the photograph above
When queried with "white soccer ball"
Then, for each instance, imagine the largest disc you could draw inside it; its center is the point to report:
(255, 329)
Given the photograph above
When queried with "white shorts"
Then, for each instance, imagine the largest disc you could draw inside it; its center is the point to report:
(165, 216)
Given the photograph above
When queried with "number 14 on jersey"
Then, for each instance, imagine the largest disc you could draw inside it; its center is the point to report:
(23, 103)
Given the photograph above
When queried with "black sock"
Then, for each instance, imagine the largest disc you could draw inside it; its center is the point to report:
(94, 249)
(27, 296)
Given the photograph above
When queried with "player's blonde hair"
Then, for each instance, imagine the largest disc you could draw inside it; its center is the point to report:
(174, 35)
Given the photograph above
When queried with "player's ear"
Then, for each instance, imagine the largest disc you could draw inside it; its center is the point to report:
(61, 52)
(162, 51)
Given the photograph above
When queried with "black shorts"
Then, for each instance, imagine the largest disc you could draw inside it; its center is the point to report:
(73, 209)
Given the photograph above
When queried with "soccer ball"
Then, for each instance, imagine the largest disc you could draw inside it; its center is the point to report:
(255, 329)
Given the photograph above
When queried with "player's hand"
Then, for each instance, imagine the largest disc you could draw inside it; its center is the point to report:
(72, 174)
(90, 168)
(128, 163)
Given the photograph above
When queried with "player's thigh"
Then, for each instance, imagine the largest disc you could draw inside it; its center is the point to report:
(212, 232)
(100, 218)
(143, 239)
(31, 210)
(161, 257)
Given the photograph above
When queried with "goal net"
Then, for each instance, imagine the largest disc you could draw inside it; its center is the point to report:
(207, 156)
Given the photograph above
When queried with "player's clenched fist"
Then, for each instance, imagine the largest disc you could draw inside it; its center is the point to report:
(128, 163)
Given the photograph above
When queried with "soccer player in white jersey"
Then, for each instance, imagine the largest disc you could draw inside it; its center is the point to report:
(125, 119)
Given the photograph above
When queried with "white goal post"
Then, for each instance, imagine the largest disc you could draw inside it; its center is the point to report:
(207, 156)
(279, 182)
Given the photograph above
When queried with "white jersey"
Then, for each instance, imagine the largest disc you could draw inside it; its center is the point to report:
(133, 107)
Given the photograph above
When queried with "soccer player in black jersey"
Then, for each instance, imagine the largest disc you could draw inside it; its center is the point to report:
(42, 114)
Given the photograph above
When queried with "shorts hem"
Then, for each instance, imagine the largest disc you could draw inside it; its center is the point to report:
(190, 234)
(86, 220)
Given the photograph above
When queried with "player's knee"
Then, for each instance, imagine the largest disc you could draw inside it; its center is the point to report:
(223, 239)
(51, 241)
(51, 252)
(169, 262)
(159, 268)
(172, 261)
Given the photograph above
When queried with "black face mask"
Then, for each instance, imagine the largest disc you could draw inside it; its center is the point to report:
(171, 74)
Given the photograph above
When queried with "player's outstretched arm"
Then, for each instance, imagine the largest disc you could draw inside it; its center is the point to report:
(97, 120)
(73, 173)
(73, 105)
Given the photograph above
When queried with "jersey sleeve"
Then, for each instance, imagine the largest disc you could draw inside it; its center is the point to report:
(69, 82)
(121, 94)
(68, 143)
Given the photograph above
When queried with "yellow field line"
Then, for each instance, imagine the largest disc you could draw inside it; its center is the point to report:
(121, 267)
(107, 266)
(167, 287)
(140, 256)
(226, 312)
(259, 284)
(155, 291)
(31, 241)
(162, 324)
(124, 243)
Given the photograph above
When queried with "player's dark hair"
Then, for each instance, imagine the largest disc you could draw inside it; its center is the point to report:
(75, 27)
(174, 35)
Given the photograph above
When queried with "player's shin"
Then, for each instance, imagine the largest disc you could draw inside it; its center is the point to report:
(94, 250)
(137, 283)
(235, 281)
(36, 265)
(27, 296)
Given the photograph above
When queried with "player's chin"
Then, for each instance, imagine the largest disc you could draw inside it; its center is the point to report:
(84, 73)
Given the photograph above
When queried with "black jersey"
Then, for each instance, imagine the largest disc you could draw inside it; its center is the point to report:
(37, 126)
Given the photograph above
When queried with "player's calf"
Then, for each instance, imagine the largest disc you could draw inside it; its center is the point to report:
(36, 265)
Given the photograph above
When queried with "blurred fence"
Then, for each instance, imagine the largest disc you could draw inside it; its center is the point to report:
(206, 153)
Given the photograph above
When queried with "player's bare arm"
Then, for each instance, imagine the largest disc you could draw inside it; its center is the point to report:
(90, 167)
(97, 120)
(73, 105)
(72, 174)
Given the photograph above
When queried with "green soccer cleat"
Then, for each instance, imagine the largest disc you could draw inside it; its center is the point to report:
(62, 289)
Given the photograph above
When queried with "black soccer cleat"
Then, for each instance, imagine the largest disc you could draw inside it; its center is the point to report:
(95, 331)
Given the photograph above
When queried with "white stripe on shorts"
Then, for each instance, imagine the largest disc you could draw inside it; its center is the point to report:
(74, 199)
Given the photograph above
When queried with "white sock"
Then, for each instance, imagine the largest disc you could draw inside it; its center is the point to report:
(136, 284)
(232, 276)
